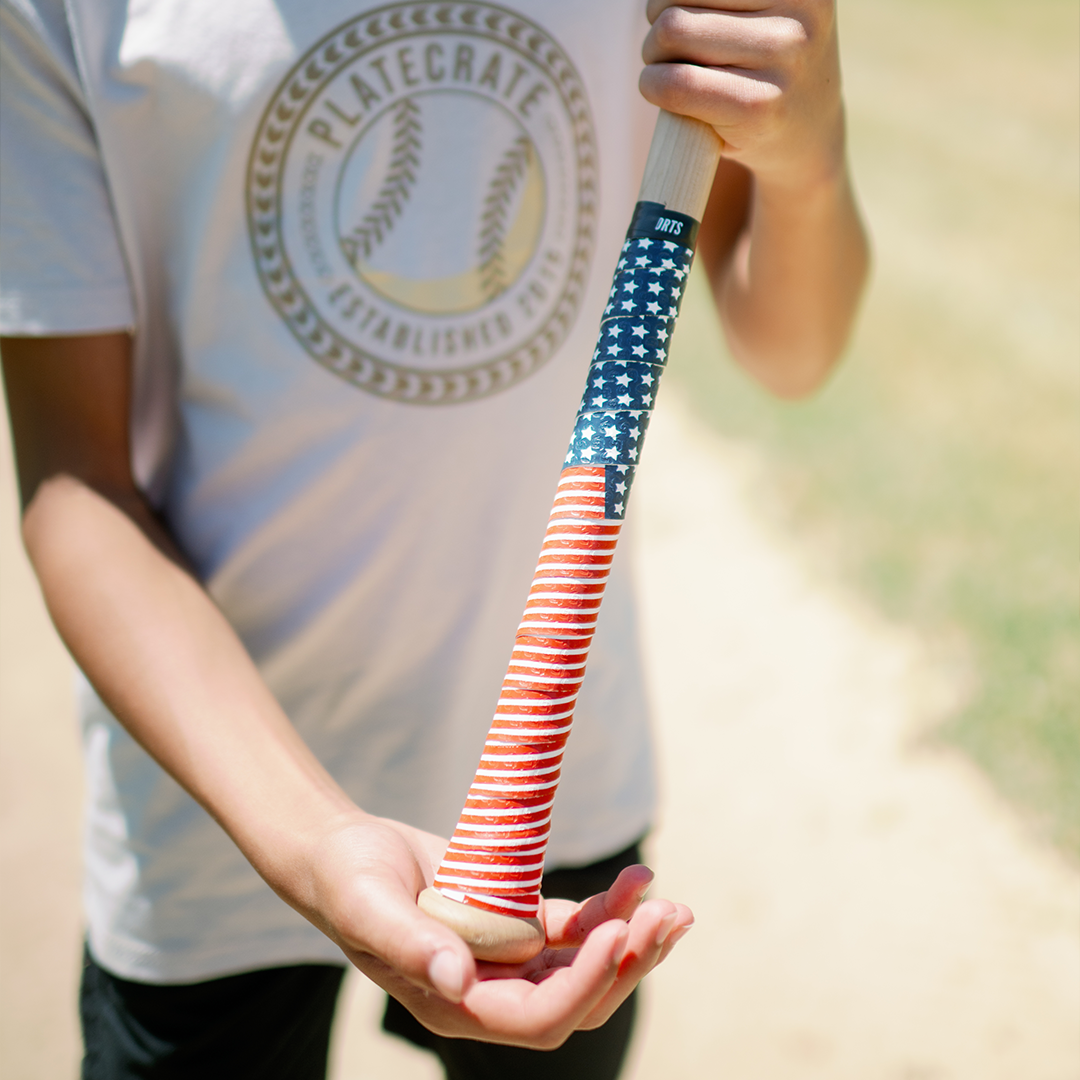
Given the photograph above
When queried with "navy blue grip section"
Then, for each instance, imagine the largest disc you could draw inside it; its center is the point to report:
(632, 348)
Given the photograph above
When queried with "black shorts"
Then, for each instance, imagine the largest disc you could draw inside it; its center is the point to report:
(275, 1024)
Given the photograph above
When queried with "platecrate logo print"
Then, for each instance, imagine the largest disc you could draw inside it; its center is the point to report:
(422, 197)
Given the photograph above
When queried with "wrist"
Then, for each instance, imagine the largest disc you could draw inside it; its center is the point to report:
(807, 162)
(805, 196)
(285, 842)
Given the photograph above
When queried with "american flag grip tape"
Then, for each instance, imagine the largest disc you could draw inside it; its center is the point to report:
(495, 858)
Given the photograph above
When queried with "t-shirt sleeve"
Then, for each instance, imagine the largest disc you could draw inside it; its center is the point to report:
(62, 269)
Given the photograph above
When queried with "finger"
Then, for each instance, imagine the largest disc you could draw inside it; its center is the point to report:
(390, 939)
(753, 41)
(649, 930)
(679, 931)
(544, 965)
(653, 932)
(725, 98)
(655, 8)
(544, 1012)
(626, 893)
(569, 924)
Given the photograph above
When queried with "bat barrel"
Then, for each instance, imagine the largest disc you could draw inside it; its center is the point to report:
(488, 885)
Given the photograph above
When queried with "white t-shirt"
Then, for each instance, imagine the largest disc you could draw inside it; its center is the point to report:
(364, 254)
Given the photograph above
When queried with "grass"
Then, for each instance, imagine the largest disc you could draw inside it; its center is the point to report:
(937, 471)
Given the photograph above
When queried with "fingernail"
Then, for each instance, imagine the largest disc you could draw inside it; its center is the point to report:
(679, 934)
(666, 923)
(446, 974)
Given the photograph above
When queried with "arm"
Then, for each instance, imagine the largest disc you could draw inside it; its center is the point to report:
(781, 240)
(171, 668)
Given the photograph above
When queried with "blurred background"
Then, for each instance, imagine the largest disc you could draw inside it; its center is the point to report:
(863, 640)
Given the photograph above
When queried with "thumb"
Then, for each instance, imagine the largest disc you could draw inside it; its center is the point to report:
(404, 943)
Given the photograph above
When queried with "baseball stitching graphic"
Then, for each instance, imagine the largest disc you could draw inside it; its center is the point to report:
(399, 181)
(508, 175)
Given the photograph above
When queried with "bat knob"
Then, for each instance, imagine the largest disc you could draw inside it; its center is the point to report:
(501, 939)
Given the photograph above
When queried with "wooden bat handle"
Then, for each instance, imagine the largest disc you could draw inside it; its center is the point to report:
(487, 888)
(682, 161)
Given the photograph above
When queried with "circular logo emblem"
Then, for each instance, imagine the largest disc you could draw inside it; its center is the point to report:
(421, 200)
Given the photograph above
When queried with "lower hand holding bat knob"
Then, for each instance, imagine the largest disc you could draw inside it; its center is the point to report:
(502, 939)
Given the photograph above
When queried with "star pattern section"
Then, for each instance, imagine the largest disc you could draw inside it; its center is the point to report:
(631, 351)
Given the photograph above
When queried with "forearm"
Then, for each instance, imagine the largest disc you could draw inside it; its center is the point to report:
(789, 288)
(175, 674)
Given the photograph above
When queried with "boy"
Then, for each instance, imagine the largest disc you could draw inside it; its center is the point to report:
(286, 524)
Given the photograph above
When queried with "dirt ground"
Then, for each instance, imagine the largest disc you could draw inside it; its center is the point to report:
(866, 908)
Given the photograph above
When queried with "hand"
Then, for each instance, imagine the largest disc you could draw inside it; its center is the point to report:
(362, 880)
(655, 927)
(765, 74)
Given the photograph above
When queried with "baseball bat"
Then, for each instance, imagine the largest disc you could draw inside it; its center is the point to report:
(487, 888)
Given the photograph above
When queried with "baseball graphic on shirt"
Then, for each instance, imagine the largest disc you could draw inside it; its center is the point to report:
(421, 200)
(441, 202)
